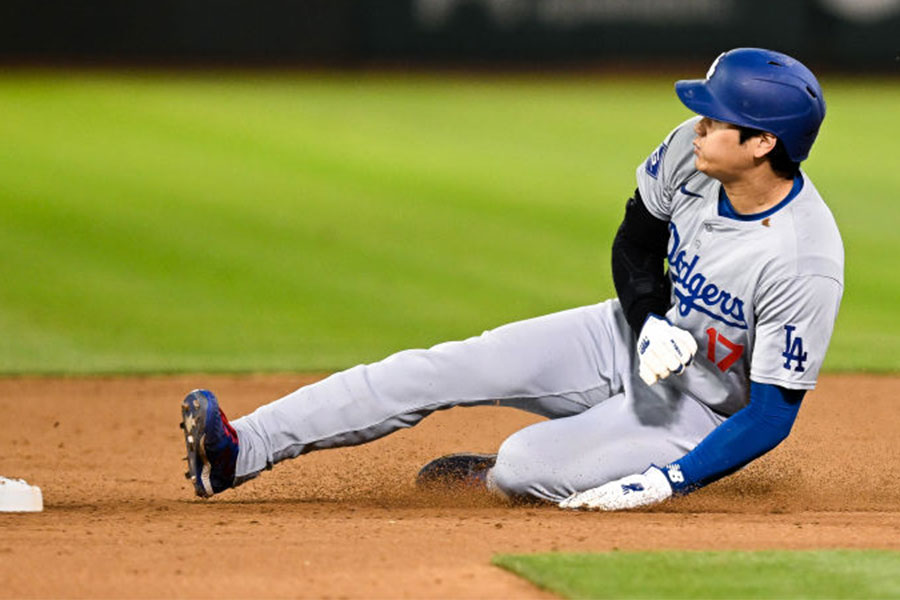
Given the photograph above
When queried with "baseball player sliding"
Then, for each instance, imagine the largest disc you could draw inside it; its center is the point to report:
(729, 271)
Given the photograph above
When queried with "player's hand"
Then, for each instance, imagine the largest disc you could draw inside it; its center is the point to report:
(663, 349)
(632, 491)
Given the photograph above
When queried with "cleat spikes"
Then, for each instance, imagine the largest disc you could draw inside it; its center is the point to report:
(211, 442)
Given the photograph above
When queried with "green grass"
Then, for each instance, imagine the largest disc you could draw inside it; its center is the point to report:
(699, 575)
(234, 222)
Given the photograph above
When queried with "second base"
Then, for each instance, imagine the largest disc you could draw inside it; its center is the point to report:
(17, 496)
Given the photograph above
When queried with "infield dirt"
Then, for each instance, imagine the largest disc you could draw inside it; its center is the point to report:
(121, 521)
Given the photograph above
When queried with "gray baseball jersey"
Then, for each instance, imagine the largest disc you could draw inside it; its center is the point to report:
(760, 295)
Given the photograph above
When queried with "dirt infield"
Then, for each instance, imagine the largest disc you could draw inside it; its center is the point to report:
(120, 520)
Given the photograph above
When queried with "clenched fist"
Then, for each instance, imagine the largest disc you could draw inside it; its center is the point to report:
(663, 349)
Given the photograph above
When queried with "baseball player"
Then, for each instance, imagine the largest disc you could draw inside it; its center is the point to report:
(728, 267)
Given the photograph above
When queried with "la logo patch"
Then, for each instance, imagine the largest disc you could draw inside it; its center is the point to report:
(793, 350)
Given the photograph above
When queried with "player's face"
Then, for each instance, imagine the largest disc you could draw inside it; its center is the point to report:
(718, 150)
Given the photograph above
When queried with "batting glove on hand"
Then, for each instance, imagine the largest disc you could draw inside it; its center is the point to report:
(649, 487)
(663, 349)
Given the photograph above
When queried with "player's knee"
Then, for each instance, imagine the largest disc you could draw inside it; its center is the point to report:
(520, 471)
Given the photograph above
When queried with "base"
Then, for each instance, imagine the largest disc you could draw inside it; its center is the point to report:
(18, 496)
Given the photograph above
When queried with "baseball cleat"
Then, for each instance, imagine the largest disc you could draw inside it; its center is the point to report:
(463, 470)
(211, 441)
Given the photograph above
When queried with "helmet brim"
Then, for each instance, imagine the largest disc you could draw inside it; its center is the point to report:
(696, 95)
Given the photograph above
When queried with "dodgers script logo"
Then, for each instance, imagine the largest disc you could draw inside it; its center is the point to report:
(695, 292)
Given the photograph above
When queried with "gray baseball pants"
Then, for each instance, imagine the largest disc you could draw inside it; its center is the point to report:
(575, 367)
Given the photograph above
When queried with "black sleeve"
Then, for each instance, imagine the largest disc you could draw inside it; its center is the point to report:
(638, 263)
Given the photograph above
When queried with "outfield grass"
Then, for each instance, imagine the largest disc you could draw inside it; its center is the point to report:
(233, 222)
(833, 574)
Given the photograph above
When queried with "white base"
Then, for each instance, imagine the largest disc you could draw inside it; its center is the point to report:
(18, 496)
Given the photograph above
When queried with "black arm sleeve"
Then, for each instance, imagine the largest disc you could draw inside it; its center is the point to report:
(638, 263)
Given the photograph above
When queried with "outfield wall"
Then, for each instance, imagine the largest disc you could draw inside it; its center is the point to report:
(844, 34)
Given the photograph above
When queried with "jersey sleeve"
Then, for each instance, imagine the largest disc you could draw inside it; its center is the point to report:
(795, 319)
(670, 165)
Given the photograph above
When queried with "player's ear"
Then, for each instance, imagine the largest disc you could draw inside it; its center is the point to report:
(763, 144)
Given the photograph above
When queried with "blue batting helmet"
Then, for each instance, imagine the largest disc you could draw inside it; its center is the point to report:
(760, 89)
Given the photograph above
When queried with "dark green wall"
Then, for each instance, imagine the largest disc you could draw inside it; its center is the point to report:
(353, 32)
